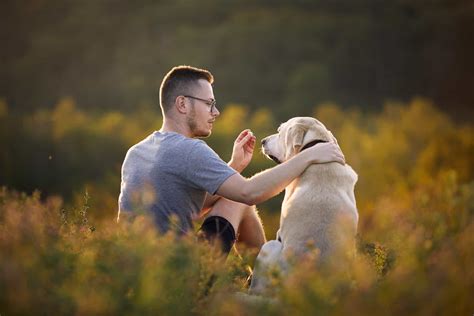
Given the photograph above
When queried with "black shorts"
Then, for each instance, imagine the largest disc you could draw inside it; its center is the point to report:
(218, 229)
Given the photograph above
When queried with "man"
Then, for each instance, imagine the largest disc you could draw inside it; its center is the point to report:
(172, 174)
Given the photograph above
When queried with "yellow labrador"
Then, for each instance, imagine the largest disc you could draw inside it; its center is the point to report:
(319, 209)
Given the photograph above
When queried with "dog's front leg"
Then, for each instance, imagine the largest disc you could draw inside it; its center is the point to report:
(268, 258)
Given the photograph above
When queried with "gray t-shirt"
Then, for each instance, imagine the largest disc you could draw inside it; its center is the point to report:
(169, 174)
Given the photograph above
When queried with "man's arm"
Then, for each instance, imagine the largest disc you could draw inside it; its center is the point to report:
(270, 182)
(210, 201)
(241, 155)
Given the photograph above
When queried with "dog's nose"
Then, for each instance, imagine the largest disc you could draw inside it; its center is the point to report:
(264, 141)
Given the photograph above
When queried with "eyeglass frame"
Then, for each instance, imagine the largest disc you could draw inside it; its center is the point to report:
(212, 102)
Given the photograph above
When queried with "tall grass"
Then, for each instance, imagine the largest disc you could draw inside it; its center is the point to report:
(55, 261)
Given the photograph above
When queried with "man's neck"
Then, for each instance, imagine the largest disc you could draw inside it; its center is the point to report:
(170, 125)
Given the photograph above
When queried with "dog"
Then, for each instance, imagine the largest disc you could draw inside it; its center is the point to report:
(319, 208)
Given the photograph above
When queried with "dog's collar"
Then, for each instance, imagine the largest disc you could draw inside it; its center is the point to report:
(308, 145)
(312, 143)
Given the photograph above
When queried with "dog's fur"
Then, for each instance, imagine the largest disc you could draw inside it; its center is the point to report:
(319, 209)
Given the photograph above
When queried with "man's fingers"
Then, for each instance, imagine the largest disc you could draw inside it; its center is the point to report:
(341, 159)
(251, 143)
(338, 155)
(250, 140)
(334, 139)
(242, 135)
(246, 136)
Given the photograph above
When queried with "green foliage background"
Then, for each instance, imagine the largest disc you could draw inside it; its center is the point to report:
(78, 87)
(284, 55)
(415, 198)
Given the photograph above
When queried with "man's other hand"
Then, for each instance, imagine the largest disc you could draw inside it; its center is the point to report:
(242, 152)
(326, 152)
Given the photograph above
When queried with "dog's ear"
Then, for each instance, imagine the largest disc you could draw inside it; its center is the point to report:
(294, 139)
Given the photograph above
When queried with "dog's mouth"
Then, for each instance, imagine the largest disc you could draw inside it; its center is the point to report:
(275, 159)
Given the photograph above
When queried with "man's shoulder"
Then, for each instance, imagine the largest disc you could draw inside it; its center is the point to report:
(169, 139)
(172, 143)
(173, 137)
(181, 143)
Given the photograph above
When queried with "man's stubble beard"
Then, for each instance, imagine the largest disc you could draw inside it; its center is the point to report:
(193, 126)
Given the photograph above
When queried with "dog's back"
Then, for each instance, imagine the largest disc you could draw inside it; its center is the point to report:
(320, 211)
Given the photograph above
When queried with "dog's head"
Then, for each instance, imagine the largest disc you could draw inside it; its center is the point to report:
(293, 136)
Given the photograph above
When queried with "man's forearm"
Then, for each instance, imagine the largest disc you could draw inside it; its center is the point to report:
(265, 184)
(235, 166)
(270, 182)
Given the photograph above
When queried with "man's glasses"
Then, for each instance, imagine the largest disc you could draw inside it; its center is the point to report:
(212, 103)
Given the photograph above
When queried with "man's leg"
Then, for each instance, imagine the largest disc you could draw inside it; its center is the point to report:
(251, 232)
(244, 220)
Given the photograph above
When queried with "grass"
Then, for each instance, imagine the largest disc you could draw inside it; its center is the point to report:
(54, 260)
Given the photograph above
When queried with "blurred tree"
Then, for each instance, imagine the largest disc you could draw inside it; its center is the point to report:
(261, 52)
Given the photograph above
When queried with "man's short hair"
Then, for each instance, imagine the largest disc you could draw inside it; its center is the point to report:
(178, 81)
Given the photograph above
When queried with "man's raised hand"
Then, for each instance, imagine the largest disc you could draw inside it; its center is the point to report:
(242, 151)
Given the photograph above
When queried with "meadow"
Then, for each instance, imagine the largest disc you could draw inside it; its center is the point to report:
(61, 251)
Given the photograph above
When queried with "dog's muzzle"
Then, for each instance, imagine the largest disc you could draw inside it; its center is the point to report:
(275, 159)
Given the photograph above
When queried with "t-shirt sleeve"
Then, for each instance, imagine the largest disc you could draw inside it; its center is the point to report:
(205, 170)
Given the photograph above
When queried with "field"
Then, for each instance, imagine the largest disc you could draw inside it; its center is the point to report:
(415, 246)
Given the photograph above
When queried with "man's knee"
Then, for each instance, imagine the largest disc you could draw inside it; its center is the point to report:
(243, 218)
(220, 230)
(250, 212)
(230, 210)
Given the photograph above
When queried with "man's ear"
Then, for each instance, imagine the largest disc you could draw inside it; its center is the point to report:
(180, 104)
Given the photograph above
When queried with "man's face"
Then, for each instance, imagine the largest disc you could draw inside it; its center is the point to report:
(200, 118)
